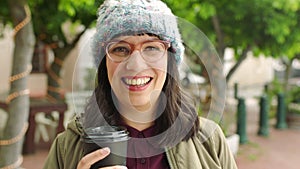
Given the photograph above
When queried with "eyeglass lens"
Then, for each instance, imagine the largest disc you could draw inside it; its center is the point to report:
(150, 51)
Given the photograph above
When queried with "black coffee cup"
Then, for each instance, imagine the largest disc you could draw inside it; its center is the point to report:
(114, 137)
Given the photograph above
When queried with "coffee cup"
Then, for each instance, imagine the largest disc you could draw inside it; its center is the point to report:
(114, 137)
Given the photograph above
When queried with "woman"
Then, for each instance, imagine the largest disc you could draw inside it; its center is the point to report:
(137, 49)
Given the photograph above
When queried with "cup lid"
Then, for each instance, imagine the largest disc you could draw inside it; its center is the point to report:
(105, 132)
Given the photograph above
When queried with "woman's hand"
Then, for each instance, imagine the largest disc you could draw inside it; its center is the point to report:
(91, 158)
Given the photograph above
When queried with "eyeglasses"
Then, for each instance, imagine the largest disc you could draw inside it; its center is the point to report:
(151, 51)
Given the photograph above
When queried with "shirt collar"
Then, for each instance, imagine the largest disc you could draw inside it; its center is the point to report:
(135, 133)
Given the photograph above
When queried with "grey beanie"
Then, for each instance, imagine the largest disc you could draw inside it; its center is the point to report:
(129, 17)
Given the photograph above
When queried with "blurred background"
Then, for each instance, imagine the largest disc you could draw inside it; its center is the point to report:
(47, 73)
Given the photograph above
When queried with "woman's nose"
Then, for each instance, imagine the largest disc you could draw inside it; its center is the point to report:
(135, 61)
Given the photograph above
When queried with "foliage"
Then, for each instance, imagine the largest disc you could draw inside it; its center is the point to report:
(49, 17)
(270, 27)
(293, 100)
(274, 88)
(293, 95)
(59, 24)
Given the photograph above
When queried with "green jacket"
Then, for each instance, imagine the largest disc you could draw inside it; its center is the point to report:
(206, 150)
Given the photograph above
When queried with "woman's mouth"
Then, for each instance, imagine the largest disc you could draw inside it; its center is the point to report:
(136, 83)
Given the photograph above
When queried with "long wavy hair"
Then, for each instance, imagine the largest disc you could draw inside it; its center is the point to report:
(101, 110)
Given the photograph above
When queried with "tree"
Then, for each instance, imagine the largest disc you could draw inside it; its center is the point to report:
(48, 26)
(268, 27)
(48, 18)
(18, 108)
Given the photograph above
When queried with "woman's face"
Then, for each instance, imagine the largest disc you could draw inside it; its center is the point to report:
(137, 83)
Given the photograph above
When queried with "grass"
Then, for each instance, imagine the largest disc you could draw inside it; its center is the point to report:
(251, 151)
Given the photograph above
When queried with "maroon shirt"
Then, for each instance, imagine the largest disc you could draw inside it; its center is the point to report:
(141, 149)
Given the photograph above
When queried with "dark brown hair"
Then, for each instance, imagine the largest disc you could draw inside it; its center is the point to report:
(101, 110)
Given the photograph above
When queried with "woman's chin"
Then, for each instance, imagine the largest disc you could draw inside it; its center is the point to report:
(141, 106)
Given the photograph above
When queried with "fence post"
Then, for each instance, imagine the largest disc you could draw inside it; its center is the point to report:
(263, 117)
(281, 112)
(241, 123)
(236, 90)
(266, 88)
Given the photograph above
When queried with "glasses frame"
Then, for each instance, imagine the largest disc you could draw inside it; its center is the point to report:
(133, 47)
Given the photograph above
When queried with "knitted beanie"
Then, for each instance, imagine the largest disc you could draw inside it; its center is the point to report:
(131, 17)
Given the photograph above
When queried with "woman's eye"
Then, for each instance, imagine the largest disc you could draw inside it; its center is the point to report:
(123, 51)
(152, 48)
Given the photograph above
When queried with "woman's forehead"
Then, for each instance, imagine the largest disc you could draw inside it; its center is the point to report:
(135, 38)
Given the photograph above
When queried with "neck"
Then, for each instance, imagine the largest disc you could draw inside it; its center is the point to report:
(137, 125)
(137, 118)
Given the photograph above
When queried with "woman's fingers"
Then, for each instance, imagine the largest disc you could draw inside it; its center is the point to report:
(91, 158)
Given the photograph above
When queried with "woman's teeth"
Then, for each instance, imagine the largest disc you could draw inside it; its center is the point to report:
(138, 81)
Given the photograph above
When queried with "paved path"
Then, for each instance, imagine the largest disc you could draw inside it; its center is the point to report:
(36, 160)
(281, 150)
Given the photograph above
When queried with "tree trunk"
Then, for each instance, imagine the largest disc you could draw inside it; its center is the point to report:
(221, 47)
(214, 68)
(287, 74)
(220, 37)
(238, 63)
(18, 109)
(54, 77)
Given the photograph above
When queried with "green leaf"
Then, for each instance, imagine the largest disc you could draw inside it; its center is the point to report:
(206, 10)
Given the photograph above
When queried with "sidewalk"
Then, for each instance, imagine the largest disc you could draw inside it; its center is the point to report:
(36, 160)
(280, 150)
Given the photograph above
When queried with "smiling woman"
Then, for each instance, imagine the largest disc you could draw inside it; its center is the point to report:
(137, 49)
(137, 66)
